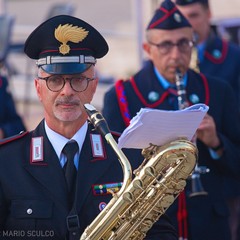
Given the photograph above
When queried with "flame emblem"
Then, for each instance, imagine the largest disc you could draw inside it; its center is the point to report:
(68, 32)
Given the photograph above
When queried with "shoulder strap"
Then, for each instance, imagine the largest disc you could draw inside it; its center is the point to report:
(13, 138)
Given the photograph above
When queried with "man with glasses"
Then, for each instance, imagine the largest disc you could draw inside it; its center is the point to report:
(197, 213)
(56, 179)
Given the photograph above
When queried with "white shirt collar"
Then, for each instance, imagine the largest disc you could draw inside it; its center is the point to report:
(58, 141)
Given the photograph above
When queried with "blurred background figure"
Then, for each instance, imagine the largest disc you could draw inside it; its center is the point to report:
(10, 121)
(219, 58)
(216, 56)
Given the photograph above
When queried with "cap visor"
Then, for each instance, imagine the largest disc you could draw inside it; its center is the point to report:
(66, 68)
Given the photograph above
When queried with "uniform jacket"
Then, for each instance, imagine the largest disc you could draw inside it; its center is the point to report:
(207, 214)
(222, 60)
(10, 121)
(33, 194)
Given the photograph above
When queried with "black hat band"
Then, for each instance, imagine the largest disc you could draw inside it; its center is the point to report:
(70, 59)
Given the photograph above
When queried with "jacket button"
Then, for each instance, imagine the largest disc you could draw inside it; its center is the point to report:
(29, 211)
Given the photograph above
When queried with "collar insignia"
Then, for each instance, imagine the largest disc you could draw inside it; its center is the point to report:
(217, 54)
(194, 98)
(153, 96)
(36, 157)
(68, 32)
(97, 145)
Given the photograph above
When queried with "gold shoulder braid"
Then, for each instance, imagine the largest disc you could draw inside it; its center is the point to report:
(68, 32)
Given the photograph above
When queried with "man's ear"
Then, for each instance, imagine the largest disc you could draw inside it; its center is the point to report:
(209, 13)
(38, 88)
(146, 48)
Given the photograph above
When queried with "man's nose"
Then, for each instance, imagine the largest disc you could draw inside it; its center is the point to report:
(67, 88)
(175, 52)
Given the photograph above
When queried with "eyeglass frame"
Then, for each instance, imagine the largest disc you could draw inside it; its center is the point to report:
(87, 79)
(159, 45)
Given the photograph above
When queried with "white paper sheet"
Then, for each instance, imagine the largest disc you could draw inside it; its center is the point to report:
(160, 126)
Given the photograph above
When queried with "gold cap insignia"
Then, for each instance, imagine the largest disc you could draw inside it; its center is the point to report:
(68, 32)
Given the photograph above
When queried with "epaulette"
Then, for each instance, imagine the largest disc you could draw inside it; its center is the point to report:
(12, 138)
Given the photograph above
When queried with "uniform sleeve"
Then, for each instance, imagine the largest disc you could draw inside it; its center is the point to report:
(10, 122)
(229, 133)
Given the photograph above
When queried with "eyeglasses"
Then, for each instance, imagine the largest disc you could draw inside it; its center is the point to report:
(56, 83)
(183, 45)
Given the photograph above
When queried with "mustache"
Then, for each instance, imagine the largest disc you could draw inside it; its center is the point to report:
(67, 100)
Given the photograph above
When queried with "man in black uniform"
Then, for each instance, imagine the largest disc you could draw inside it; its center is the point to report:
(44, 192)
(168, 45)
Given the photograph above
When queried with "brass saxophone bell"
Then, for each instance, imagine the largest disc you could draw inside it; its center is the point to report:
(196, 184)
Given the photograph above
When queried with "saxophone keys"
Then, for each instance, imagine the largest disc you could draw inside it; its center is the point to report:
(128, 197)
(166, 201)
(138, 184)
(180, 185)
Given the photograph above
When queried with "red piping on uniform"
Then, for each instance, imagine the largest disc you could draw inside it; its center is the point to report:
(224, 54)
(10, 139)
(122, 102)
(140, 96)
(182, 216)
(207, 93)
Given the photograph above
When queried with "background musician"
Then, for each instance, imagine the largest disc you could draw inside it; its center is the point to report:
(168, 46)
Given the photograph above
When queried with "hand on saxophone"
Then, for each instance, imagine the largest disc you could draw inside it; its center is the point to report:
(207, 133)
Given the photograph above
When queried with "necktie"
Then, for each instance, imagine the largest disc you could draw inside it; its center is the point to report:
(70, 170)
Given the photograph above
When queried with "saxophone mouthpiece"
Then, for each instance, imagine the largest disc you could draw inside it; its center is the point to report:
(90, 109)
(97, 119)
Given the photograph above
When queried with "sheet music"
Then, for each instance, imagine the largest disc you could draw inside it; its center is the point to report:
(161, 126)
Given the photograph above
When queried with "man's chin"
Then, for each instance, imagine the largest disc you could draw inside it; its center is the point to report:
(68, 116)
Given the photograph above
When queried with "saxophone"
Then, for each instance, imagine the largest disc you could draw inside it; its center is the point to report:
(141, 200)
